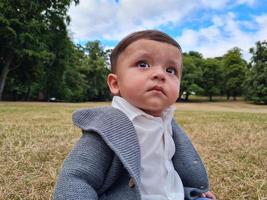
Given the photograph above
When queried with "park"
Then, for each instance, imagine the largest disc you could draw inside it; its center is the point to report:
(45, 76)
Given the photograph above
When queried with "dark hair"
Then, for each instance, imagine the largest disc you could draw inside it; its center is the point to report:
(146, 34)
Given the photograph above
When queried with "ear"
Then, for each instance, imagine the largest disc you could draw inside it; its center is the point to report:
(113, 85)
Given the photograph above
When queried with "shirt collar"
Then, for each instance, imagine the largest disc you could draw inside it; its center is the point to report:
(132, 112)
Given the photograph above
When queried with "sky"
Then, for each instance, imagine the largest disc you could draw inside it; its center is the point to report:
(211, 27)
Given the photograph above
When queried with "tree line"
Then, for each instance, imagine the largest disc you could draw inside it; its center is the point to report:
(39, 61)
(229, 75)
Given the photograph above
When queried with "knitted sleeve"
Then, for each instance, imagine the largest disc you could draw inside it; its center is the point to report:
(84, 169)
(189, 165)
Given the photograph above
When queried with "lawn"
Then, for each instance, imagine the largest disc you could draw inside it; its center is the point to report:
(230, 136)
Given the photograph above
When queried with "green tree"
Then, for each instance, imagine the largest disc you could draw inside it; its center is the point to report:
(212, 77)
(25, 27)
(192, 74)
(20, 82)
(53, 73)
(195, 54)
(96, 71)
(256, 81)
(74, 80)
(234, 70)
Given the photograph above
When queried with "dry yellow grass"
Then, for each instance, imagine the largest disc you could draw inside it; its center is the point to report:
(231, 138)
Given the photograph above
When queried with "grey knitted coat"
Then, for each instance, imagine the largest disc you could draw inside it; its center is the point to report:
(105, 163)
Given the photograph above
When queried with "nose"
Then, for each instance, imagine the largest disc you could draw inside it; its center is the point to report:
(158, 74)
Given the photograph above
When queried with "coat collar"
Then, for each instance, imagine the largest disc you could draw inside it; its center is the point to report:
(117, 131)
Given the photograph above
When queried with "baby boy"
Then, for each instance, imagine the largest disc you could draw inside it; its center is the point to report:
(134, 149)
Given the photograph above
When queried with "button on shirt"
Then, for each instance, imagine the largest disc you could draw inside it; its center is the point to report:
(159, 180)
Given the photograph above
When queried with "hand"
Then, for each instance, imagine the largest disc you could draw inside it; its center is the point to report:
(208, 195)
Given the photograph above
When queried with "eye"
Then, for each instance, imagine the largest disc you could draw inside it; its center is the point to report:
(171, 70)
(142, 64)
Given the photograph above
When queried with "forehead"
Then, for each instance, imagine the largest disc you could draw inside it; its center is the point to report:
(152, 48)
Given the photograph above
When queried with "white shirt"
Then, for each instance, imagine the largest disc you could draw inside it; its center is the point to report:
(159, 180)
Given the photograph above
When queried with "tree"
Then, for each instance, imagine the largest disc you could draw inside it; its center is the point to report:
(256, 79)
(234, 70)
(192, 74)
(20, 82)
(24, 29)
(74, 80)
(212, 77)
(96, 71)
(195, 54)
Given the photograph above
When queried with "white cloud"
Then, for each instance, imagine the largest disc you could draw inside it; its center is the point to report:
(262, 28)
(218, 4)
(92, 18)
(249, 2)
(224, 34)
(111, 20)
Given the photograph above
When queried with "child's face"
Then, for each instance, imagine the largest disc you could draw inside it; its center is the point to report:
(148, 75)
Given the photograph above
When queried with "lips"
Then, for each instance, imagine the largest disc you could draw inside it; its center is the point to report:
(158, 89)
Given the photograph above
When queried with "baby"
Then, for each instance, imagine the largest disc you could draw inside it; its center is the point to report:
(134, 150)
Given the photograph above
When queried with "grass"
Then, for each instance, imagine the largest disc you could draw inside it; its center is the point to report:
(231, 138)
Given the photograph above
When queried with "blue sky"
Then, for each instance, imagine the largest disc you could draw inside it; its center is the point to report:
(211, 27)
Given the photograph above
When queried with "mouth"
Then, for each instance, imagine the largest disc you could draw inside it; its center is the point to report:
(157, 89)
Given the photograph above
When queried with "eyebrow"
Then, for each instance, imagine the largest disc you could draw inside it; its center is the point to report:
(176, 63)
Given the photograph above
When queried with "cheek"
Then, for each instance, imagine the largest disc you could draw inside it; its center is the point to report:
(178, 87)
(130, 86)
(175, 89)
